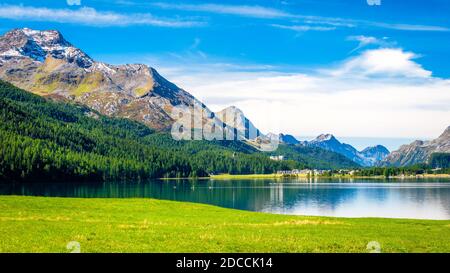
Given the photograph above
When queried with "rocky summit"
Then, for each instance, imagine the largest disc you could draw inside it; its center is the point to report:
(44, 63)
(419, 151)
(370, 156)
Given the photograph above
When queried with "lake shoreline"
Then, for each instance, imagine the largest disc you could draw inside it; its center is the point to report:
(304, 176)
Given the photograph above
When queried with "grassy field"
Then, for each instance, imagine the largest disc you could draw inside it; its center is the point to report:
(40, 224)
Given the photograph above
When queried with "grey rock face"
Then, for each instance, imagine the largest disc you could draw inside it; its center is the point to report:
(288, 139)
(418, 151)
(368, 157)
(44, 63)
(375, 153)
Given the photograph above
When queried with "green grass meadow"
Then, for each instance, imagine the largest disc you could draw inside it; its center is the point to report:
(44, 224)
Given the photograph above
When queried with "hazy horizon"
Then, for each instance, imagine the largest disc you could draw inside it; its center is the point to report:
(360, 143)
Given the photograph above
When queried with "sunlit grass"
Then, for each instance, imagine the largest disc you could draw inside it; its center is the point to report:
(39, 224)
(245, 176)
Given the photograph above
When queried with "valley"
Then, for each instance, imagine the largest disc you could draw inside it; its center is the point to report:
(136, 101)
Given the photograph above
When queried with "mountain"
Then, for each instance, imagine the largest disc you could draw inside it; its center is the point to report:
(329, 142)
(288, 139)
(50, 140)
(368, 157)
(418, 151)
(235, 118)
(375, 153)
(43, 139)
(44, 63)
(314, 157)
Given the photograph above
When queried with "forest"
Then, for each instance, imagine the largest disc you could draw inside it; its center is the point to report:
(42, 139)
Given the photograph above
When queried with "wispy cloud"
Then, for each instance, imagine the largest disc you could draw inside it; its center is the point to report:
(408, 27)
(240, 10)
(73, 2)
(90, 16)
(369, 40)
(301, 28)
(195, 44)
(309, 22)
(366, 95)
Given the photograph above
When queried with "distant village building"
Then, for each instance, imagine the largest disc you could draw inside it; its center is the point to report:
(277, 157)
(303, 172)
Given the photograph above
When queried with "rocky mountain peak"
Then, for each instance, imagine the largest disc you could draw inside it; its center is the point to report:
(44, 63)
(38, 45)
(446, 133)
(234, 117)
(232, 109)
(368, 157)
(45, 38)
(375, 153)
(289, 139)
(324, 137)
(379, 148)
(419, 151)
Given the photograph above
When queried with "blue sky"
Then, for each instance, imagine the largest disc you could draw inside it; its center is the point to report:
(300, 67)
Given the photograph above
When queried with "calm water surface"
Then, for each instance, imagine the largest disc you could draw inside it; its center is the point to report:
(421, 199)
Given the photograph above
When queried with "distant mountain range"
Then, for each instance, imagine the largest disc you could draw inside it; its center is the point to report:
(370, 156)
(44, 63)
(418, 151)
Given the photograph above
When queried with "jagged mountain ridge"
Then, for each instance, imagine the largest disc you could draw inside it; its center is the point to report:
(289, 139)
(418, 151)
(44, 63)
(370, 156)
(375, 153)
(329, 142)
(235, 117)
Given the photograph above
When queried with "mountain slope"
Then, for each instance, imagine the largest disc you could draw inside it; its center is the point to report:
(375, 154)
(418, 151)
(43, 139)
(235, 118)
(315, 157)
(44, 63)
(368, 157)
(289, 139)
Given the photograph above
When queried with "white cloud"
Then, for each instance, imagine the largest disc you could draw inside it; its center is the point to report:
(384, 62)
(308, 20)
(393, 96)
(73, 2)
(301, 28)
(336, 23)
(368, 40)
(410, 27)
(89, 16)
(241, 10)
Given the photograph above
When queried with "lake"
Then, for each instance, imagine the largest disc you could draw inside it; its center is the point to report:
(421, 199)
